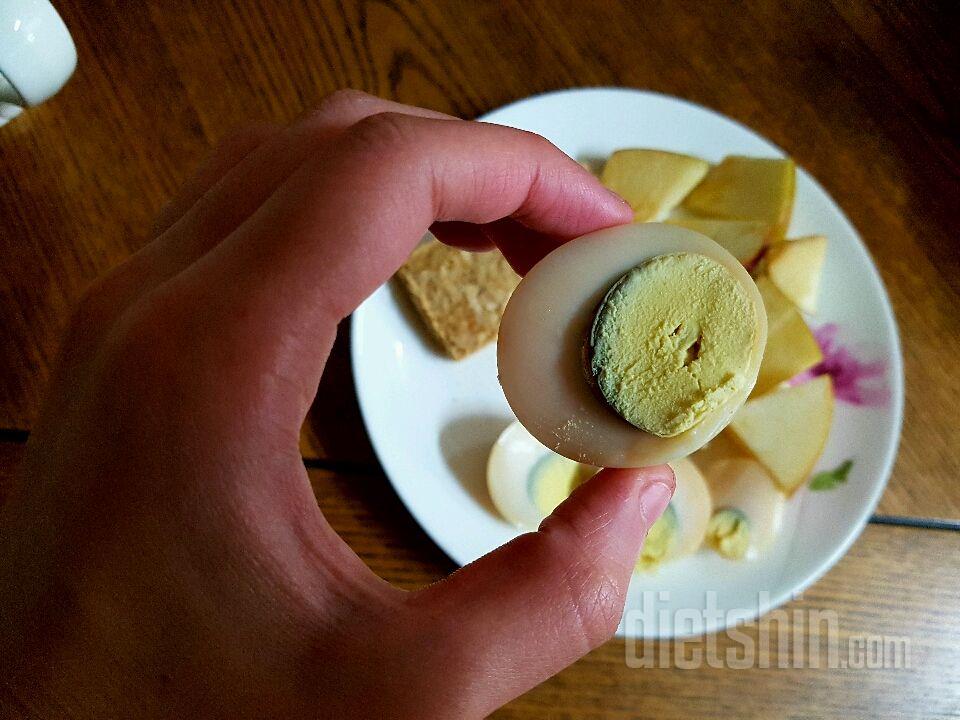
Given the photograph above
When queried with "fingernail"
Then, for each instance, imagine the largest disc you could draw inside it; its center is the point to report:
(654, 499)
(623, 208)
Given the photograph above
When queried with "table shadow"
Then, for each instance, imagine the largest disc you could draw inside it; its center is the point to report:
(465, 444)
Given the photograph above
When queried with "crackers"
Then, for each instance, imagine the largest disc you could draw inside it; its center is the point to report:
(460, 295)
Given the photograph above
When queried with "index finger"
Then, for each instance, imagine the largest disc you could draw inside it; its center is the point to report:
(347, 219)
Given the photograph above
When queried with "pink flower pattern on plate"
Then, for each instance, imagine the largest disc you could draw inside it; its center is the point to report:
(849, 374)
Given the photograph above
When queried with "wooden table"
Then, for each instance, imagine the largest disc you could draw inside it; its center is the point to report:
(860, 94)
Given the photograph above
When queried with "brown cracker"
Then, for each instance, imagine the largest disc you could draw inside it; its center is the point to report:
(460, 295)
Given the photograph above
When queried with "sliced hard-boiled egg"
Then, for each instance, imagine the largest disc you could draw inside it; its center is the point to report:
(631, 346)
(681, 529)
(748, 509)
(527, 481)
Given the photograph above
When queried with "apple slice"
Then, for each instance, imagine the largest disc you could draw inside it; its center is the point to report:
(787, 429)
(795, 267)
(652, 181)
(722, 449)
(791, 347)
(747, 188)
(744, 239)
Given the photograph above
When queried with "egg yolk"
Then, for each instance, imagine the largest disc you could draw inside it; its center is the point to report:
(728, 532)
(660, 540)
(552, 480)
(672, 341)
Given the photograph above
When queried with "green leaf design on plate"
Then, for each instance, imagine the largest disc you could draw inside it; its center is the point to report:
(830, 479)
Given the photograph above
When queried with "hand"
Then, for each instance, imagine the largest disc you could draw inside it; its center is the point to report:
(163, 554)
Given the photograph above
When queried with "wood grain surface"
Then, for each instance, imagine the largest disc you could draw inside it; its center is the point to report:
(862, 94)
(897, 584)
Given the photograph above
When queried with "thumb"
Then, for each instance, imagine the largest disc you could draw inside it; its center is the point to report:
(520, 614)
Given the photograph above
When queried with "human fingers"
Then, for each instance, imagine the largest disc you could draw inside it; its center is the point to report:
(229, 188)
(523, 247)
(227, 155)
(346, 220)
(227, 203)
(520, 614)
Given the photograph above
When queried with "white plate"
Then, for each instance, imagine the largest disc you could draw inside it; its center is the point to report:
(432, 420)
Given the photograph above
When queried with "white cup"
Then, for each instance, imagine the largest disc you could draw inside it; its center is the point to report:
(37, 55)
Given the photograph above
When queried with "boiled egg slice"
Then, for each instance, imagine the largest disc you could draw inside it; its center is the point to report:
(681, 529)
(748, 509)
(527, 481)
(551, 327)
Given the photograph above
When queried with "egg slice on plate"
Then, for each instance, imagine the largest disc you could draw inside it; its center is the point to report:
(749, 510)
(527, 481)
(681, 529)
(631, 346)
